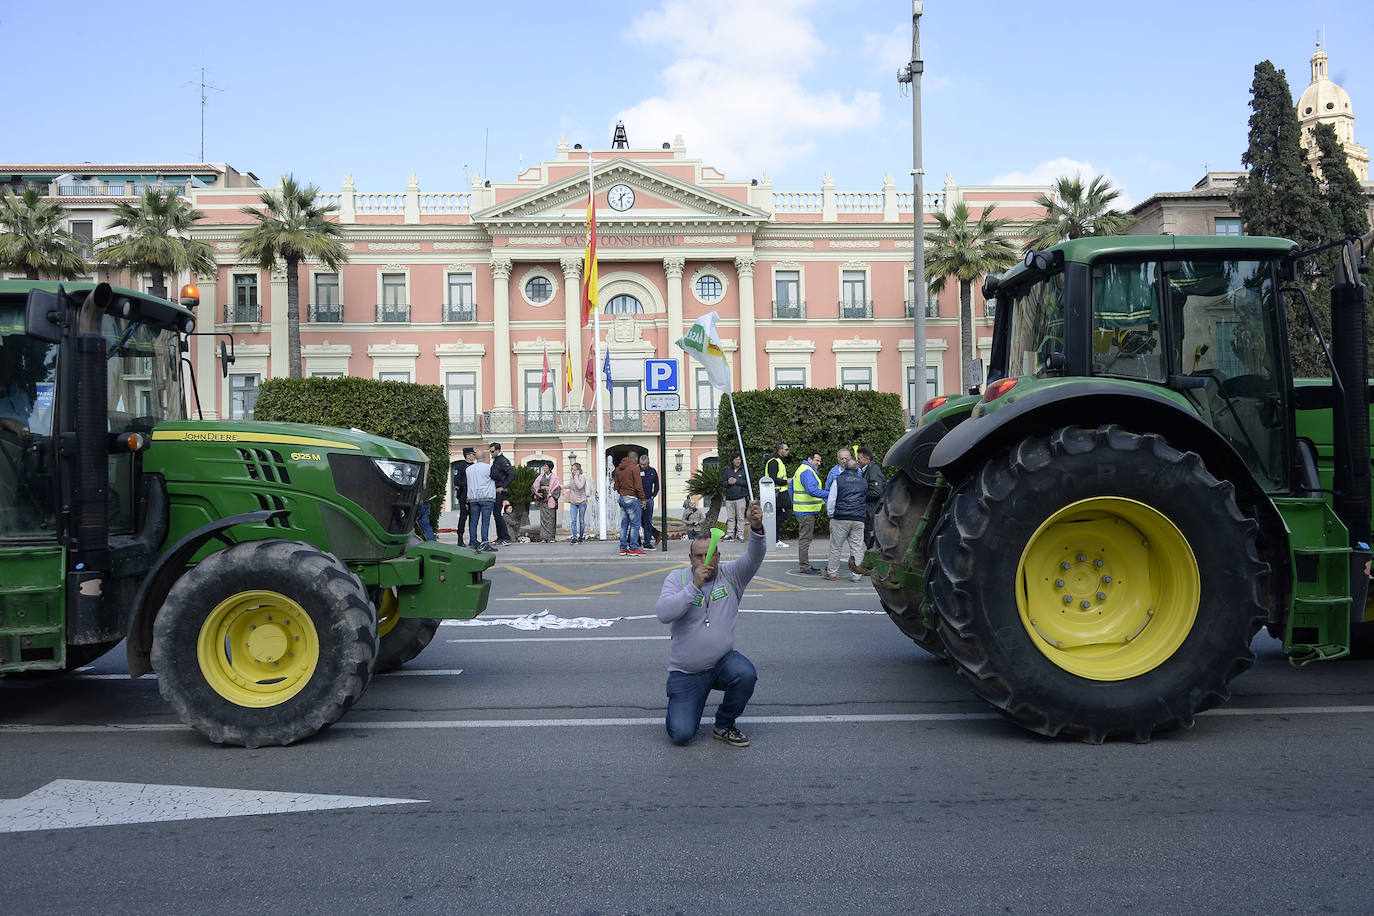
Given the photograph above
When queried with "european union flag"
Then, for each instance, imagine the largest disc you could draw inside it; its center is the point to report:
(606, 370)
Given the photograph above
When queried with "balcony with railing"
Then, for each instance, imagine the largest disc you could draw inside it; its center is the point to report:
(465, 426)
(932, 308)
(459, 313)
(856, 308)
(583, 422)
(789, 308)
(328, 313)
(393, 312)
(235, 313)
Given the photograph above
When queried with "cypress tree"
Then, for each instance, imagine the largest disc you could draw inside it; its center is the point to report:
(1345, 198)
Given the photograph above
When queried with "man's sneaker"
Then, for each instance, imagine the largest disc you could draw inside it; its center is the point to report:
(624, 553)
(855, 577)
(780, 545)
(731, 735)
(503, 543)
(638, 553)
(488, 548)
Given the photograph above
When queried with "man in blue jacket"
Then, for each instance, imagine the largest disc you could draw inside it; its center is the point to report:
(648, 479)
(807, 499)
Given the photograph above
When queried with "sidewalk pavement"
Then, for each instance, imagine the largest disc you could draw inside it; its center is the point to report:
(563, 547)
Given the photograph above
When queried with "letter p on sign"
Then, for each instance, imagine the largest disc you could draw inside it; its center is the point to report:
(660, 376)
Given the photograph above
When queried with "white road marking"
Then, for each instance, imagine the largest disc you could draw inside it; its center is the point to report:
(558, 638)
(548, 598)
(404, 672)
(442, 724)
(65, 803)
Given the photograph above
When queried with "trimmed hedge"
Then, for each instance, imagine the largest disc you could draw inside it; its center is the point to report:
(809, 419)
(414, 414)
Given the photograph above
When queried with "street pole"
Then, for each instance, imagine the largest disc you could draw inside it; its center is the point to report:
(663, 479)
(911, 73)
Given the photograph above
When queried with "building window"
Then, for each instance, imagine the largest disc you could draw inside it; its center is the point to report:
(1226, 225)
(326, 305)
(627, 400)
(393, 376)
(243, 395)
(83, 231)
(538, 289)
(916, 400)
(707, 396)
(854, 295)
(787, 302)
(462, 306)
(791, 377)
(539, 405)
(461, 388)
(709, 288)
(624, 305)
(326, 375)
(393, 306)
(932, 303)
(856, 379)
(245, 304)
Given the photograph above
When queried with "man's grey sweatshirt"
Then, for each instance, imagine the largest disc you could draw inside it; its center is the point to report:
(696, 646)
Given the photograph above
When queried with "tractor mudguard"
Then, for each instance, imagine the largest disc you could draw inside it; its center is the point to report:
(912, 452)
(168, 568)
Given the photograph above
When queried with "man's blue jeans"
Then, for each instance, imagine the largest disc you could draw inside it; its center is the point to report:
(479, 509)
(629, 523)
(734, 674)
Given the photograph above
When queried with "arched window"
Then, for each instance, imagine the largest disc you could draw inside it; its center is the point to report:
(624, 305)
(709, 288)
(538, 289)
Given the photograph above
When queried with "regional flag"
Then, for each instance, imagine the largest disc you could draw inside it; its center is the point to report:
(590, 300)
(544, 379)
(590, 375)
(703, 343)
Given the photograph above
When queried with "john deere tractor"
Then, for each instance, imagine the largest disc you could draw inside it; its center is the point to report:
(264, 571)
(1094, 540)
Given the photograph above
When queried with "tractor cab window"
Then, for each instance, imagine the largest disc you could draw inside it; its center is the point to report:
(1224, 313)
(28, 382)
(1036, 342)
(1125, 321)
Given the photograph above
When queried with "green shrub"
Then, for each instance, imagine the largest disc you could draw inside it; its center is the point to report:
(414, 414)
(709, 483)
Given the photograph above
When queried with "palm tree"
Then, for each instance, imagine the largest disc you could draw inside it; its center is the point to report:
(32, 238)
(155, 240)
(1072, 212)
(292, 227)
(966, 251)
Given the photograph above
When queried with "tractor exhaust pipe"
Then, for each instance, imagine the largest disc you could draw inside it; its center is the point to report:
(91, 530)
(1349, 324)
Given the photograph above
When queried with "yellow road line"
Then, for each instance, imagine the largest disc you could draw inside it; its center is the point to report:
(558, 589)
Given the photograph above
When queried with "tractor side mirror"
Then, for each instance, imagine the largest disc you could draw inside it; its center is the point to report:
(226, 359)
(43, 315)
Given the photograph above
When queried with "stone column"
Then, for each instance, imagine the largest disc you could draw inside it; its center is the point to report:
(572, 332)
(748, 345)
(280, 365)
(500, 276)
(672, 267)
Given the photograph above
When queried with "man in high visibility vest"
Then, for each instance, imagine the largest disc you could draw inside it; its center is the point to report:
(808, 496)
(776, 468)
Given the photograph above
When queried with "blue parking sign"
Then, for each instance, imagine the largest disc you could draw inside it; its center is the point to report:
(660, 376)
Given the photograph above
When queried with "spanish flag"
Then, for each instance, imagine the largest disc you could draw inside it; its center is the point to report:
(589, 284)
(567, 370)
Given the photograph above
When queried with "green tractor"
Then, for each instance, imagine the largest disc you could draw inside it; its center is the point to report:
(1095, 540)
(264, 571)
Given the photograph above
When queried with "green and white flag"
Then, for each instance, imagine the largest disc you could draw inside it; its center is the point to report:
(703, 343)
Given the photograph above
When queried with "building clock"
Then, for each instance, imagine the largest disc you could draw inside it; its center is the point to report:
(621, 197)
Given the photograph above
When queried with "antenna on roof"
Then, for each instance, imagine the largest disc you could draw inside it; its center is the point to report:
(619, 140)
(203, 87)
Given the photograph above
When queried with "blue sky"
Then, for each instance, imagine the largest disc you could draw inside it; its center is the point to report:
(1149, 94)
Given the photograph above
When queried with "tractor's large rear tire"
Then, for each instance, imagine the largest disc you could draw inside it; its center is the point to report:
(1097, 583)
(899, 514)
(402, 638)
(264, 642)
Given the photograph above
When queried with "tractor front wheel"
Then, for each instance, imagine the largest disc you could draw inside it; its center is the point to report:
(895, 526)
(1097, 583)
(402, 638)
(264, 642)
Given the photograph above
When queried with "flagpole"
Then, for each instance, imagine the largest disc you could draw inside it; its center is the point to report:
(744, 462)
(600, 463)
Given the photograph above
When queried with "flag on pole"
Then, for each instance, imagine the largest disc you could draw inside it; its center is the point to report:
(567, 371)
(590, 375)
(606, 370)
(544, 378)
(703, 343)
(590, 301)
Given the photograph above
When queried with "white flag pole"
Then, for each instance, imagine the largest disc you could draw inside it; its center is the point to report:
(600, 462)
(744, 461)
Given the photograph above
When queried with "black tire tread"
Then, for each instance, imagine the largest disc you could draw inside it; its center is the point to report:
(404, 641)
(899, 514)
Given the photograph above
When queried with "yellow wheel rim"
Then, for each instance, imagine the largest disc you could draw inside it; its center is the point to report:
(388, 611)
(1108, 588)
(258, 648)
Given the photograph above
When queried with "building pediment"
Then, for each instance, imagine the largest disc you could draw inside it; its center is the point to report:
(660, 199)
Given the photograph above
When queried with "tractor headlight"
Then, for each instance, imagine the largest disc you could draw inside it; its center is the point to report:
(401, 473)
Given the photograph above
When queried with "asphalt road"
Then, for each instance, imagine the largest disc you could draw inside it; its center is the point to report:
(542, 781)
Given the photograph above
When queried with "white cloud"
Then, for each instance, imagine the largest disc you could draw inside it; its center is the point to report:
(1047, 173)
(734, 86)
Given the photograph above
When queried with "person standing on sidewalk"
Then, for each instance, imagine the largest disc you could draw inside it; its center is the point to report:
(776, 468)
(630, 492)
(807, 499)
(577, 501)
(548, 489)
(701, 604)
(482, 499)
(846, 506)
(842, 457)
(648, 479)
(736, 498)
(501, 475)
(460, 490)
(873, 477)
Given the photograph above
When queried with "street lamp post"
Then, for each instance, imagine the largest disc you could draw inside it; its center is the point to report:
(911, 73)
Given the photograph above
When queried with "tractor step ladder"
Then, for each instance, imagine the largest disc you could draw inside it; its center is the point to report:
(32, 609)
(1318, 627)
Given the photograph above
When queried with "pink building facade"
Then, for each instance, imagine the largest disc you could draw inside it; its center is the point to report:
(469, 290)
